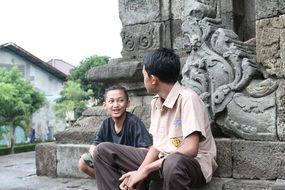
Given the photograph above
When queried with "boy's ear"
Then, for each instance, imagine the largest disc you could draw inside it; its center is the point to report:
(154, 79)
(129, 103)
(104, 105)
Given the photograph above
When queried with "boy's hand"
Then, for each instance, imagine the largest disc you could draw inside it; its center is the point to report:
(132, 179)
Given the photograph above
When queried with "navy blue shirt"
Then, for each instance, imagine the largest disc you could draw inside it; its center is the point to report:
(133, 132)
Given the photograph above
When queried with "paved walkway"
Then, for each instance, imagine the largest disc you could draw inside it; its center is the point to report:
(18, 172)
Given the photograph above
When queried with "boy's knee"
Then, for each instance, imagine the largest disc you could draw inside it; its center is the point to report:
(171, 160)
(102, 148)
(172, 164)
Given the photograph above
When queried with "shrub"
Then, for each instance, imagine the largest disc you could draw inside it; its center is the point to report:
(4, 150)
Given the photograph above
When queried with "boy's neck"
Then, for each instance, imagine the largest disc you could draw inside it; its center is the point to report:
(164, 89)
(119, 121)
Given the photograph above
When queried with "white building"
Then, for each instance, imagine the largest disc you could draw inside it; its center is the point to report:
(44, 77)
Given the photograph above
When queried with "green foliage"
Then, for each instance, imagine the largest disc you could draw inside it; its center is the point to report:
(74, 97)
(79, 74)
(18, 100)
(78, 89)
(18, 148)
(3, 131)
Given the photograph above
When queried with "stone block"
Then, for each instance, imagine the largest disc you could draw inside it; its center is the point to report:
(143, 112)
(117, 71)
(176, 33)
(282, 9)
(46, 159)
(225, 12)
(141, 38)
(278, 185)
(136, 11)
(136, 100)
(224, 158)
(280, 102)
(248, 185)
(134, 88)
(67, 159)
(94, 111)
(266, 9)
(258, 159)
(176, 9)
(83, 134)
(147, 100)
(215, 184)
(270, 45)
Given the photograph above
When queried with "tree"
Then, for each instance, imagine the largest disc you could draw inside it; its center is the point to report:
(18, 101)
(79, 74)
(73, 97)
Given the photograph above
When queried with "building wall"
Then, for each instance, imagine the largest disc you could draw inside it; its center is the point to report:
(44, 121)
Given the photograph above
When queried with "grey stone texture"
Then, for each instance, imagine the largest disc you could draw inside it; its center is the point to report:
(46, 160)
(148, 25)
(117, 71)
(279, 184)
(225, 12)
(18, 172)
(280, 101)
(242, 164)
(258, 160)
(269, 8)
(134, 12)
(84, 128)
(224, 158)
(270, 48)
(67, 160)
(141, 38)
(248, 185)
(224, 72)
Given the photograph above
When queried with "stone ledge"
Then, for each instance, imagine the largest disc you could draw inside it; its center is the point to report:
(46, 159)
(67, 160)
(249, 162)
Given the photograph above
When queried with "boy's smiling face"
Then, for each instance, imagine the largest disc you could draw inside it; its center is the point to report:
(116, 103)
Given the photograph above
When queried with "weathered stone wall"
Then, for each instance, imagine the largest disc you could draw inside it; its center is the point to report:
(270, 49)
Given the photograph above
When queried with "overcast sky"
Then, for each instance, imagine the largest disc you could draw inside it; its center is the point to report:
(70, 30)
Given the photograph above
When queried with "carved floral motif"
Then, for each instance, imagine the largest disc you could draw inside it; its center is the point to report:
(224, 72)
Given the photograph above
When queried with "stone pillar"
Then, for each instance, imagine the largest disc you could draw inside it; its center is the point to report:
(147, 25)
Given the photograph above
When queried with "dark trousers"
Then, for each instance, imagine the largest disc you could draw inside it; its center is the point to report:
(178, 171)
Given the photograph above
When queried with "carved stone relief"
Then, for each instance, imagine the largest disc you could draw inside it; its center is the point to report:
(224, 72)
(144, 37)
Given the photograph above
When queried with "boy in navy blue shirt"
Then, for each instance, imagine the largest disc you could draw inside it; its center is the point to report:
(121, 127)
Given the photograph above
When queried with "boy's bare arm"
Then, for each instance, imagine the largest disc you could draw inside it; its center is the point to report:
(151, 156)
(190, 145)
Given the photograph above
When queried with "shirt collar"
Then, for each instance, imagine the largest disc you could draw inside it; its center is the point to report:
(171, 97)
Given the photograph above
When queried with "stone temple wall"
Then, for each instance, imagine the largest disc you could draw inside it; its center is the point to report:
(270, 50)
(232, 55)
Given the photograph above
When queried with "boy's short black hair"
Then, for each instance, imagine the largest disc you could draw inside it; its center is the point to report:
(116, 87)
(164, 64)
